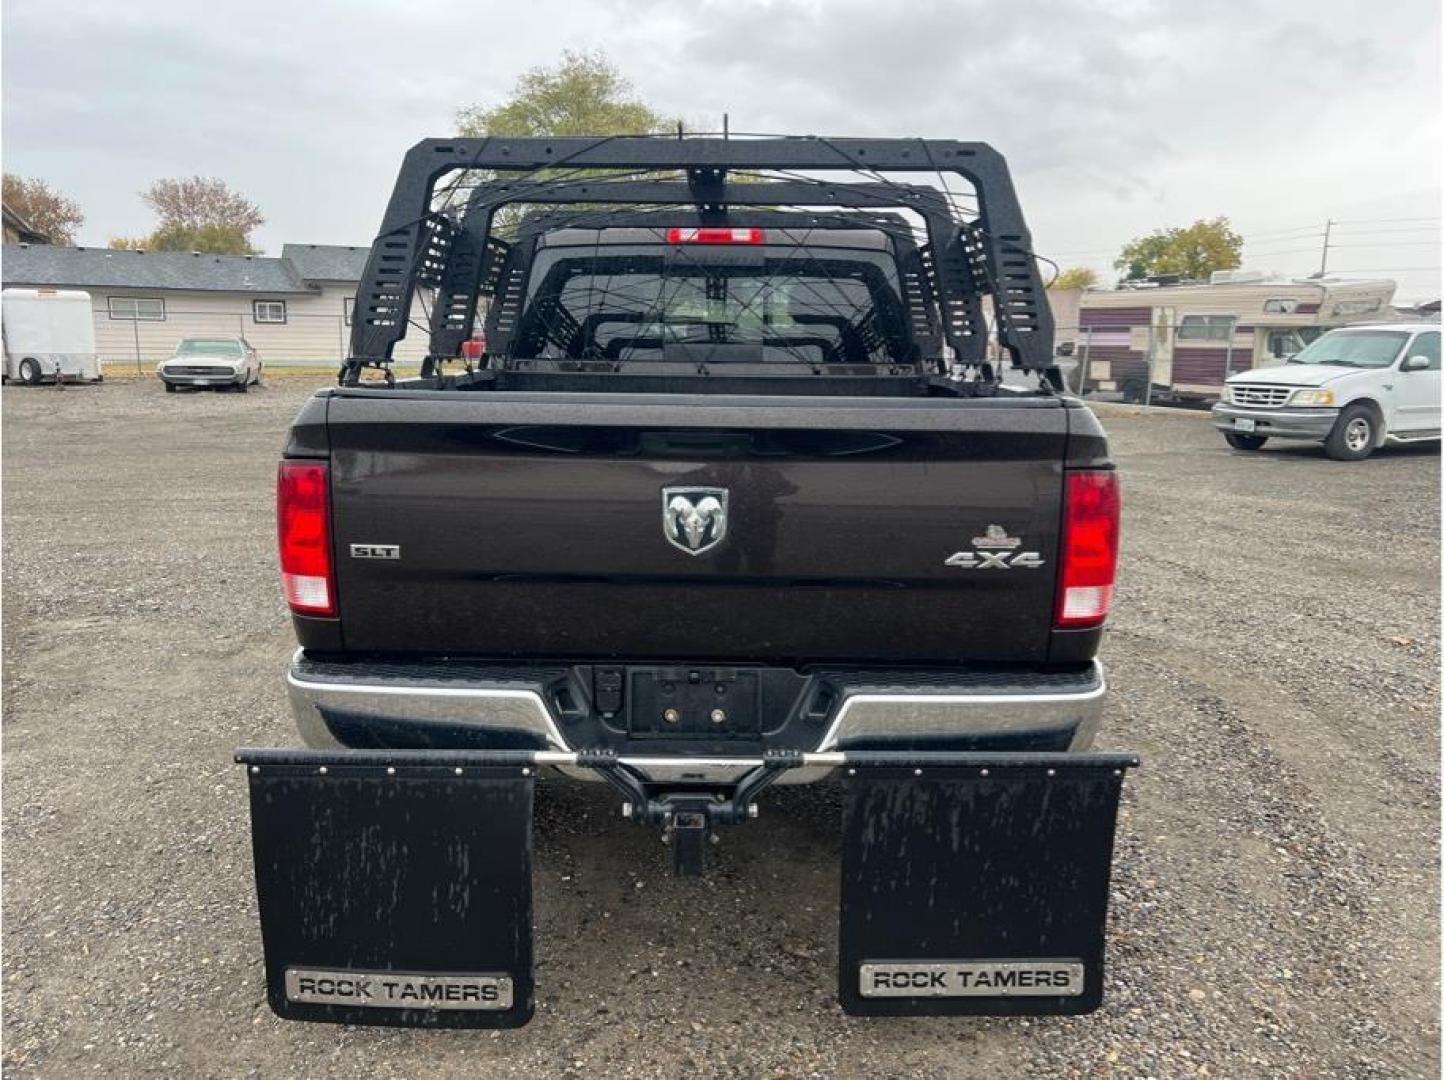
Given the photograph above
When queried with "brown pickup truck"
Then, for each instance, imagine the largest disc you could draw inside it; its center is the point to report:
(734, 497)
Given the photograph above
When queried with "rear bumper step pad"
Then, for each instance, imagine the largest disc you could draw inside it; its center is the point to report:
(395, 887)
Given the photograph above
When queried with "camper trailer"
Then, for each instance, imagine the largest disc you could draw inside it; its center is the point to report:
(49, 336)
(1195, 335)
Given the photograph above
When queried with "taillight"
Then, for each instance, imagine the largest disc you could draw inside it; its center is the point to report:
(303, 527)
(714, 236)
(1090, 548)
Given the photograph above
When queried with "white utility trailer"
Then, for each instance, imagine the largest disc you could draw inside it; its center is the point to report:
(49, 336)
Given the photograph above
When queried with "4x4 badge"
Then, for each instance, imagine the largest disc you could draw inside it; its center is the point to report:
(694, 519)
(995, 550)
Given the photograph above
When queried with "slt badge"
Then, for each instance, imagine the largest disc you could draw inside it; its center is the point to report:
(694, 519)
(995, 550)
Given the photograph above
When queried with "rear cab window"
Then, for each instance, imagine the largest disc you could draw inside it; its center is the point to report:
(699, 302)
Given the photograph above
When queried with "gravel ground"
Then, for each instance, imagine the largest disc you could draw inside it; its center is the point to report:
(1274, 658)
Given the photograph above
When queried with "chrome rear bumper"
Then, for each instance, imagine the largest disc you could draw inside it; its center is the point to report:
(403, 709)
(893, 714)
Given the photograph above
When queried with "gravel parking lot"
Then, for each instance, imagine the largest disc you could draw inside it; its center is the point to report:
(1274, 658)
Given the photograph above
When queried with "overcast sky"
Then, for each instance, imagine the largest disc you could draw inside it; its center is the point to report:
(1118, 117)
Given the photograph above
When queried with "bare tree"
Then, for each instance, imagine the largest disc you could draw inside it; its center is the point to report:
(195, 202)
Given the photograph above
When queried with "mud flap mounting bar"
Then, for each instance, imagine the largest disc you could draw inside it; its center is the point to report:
(394, 887)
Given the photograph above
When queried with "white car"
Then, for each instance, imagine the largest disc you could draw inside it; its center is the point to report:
(211, 362)
(1351, 389)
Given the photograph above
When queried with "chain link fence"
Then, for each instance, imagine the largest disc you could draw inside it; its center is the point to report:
(137, 345)
(1142, 363)
(1125, 359)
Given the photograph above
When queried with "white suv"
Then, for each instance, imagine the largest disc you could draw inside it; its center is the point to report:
(1352, 389)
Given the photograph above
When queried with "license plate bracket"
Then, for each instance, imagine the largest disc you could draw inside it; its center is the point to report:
(694, 703)
(393, 894)
(979, 886)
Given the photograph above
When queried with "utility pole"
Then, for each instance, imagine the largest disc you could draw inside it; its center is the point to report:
(1324, 261)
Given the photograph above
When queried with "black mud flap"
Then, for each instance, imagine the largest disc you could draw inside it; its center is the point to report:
(976, 883)
(394, 888)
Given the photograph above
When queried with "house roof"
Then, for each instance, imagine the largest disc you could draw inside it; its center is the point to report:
(42, 264)
(327, 262)
(26, 232)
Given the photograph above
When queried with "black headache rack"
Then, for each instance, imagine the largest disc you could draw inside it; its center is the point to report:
(395, 887)
(453, 250)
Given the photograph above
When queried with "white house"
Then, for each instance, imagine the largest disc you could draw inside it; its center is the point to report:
(295, 309)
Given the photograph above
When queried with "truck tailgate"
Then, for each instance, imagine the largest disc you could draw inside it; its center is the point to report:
(536, 525)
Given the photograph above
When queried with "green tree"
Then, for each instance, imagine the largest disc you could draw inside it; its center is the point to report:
(43, 208)
(1075, 277)
(1194, 252)
(212, 239)
(583, 95)
(197, 213)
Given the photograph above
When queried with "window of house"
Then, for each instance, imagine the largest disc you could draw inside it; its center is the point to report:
(348, 308)
(1205, 328)
(1281, 306)
(142, 308)
(269, 311)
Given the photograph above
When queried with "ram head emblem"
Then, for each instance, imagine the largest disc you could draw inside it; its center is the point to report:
(694, 519)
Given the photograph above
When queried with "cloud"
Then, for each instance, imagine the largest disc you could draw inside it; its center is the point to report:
(1116, 117)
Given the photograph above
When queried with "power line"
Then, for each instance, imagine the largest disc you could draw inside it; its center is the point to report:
(1270, 252)
(1245, 239)
(1392, 243)
(1282, 232)
(1384, 221)
(1264, 237)
(1405, 229)
(1285, 236)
